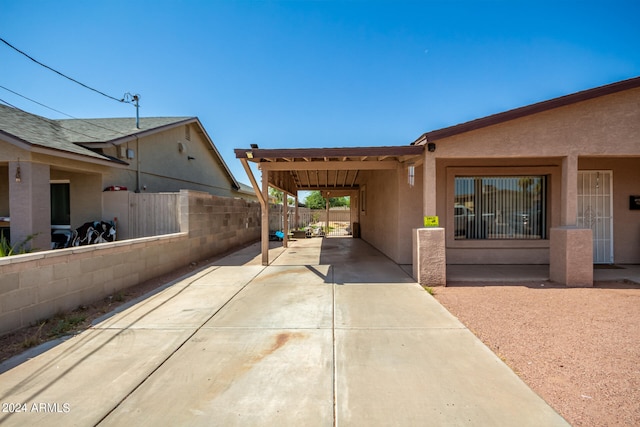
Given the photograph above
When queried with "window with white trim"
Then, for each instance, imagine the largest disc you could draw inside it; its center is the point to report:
(500, 207)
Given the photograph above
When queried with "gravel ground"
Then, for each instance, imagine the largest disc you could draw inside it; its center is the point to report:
(578, 348)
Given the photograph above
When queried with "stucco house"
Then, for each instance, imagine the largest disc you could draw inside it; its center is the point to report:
(54, 172)
(556, 182)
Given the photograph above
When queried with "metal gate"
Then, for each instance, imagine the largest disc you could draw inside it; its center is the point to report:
(595, 211)
(339, 222)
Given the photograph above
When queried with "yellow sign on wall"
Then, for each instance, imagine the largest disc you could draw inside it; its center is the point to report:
(431, 221)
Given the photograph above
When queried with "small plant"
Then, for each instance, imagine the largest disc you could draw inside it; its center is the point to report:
(66, 324)
(35, 339)
(429, 290)
(19, 248)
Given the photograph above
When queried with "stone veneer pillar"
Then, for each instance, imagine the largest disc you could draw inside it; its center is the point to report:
(429, 256)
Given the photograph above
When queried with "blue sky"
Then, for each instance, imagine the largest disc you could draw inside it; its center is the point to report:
(313, 74)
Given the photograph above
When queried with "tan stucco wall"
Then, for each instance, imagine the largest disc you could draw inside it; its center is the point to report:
(536, 144)
(604, 126)
(163, 168)
(379, 220)
(393, 210)
(626, 222)
(85, 196)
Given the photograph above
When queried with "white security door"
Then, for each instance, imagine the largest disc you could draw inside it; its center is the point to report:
(595, 211)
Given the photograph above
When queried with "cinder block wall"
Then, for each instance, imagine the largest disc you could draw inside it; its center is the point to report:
(38, 285)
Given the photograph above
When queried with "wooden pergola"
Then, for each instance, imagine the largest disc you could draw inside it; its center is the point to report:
(330, 170)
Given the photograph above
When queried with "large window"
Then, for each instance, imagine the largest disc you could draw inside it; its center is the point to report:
(500, 207)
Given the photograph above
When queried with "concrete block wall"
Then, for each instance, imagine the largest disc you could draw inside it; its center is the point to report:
(38, 285)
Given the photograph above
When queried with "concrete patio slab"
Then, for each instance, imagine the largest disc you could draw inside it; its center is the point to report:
(351, 342)
(189, 308)
(81, 380)
(248, 377)
(276, 300)
(438, 377)
(395, 306)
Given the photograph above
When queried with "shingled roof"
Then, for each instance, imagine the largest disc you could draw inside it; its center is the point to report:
(77, 136)
(39, 131)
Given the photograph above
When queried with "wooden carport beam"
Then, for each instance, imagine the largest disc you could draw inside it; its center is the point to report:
(330, 166)
(254, 183)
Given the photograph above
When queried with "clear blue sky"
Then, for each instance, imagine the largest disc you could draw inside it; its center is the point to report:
(313, 74)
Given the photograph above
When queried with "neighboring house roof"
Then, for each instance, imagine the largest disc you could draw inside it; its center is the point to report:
(31, 131)
(80, 136)
(528, 110)
(115, 131)
(83, 131)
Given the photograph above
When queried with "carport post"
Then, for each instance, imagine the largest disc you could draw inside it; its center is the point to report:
(326, 233)
(265, 218)
(296, 219)
(285, 220)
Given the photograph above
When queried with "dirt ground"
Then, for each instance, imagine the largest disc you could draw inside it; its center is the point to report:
(578, 348)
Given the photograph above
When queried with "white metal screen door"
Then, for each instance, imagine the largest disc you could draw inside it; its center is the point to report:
(595, 211)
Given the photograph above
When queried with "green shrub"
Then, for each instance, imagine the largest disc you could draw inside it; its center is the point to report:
(19, 248)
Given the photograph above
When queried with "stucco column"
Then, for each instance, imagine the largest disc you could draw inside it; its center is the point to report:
(265, 218)
(429, 184)
(429, 244)
(429, 256)
(570, 247)
(569, 191)
(30, 204)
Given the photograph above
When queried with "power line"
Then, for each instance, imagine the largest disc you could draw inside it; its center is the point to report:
(59, 73)
(47, 120)
(60, 112)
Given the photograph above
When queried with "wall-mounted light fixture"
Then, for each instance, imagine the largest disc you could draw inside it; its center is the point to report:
(431, 146)
(18, 175)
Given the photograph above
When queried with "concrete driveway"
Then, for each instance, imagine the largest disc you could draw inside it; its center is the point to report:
(331, 333)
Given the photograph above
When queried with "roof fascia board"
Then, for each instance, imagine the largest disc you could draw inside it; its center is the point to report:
(72, 156)
(27, 146)
(18, 142)
(528, 110)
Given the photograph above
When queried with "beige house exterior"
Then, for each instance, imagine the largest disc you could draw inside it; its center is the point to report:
(54, 172)
(557, 183)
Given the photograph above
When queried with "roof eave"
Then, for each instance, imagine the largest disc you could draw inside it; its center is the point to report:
(35, 148)
(528, 110)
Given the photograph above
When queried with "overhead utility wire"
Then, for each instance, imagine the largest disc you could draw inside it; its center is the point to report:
(59, 73)
(46, 120)
(60, 112)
